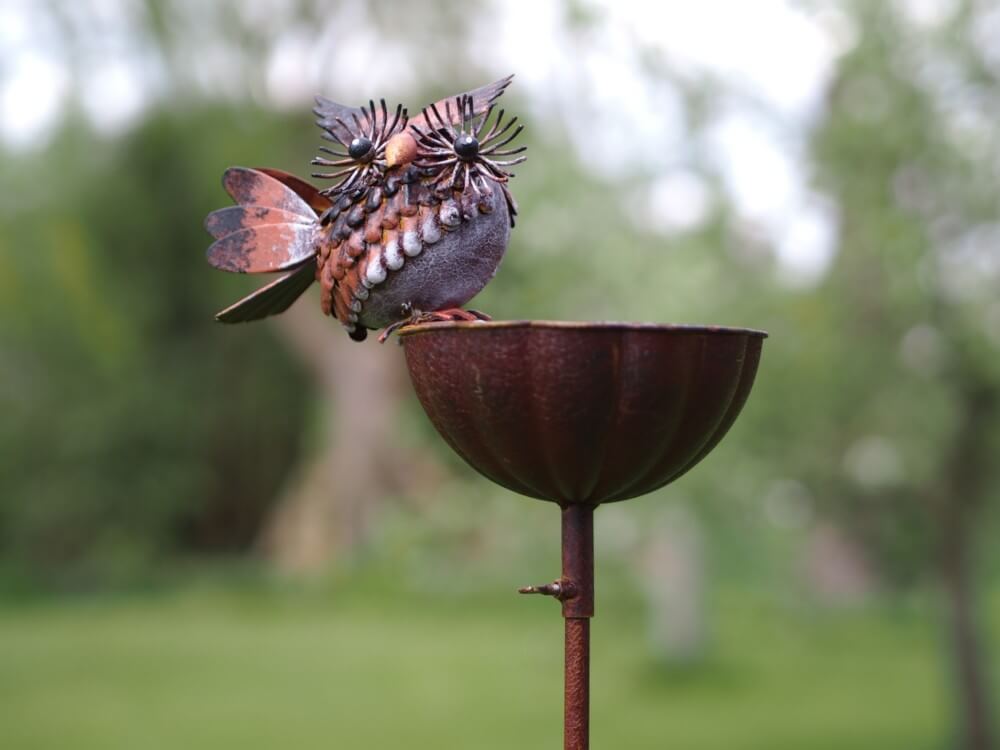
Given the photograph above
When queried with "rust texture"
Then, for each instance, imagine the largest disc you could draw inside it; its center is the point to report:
(576, 712)
(580, 414)
(584, 413)
(577, 608)
(578, 560)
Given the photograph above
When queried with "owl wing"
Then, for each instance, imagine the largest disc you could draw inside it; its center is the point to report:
(272, 299)
(272, 228)
(316, 200)
(482, 98)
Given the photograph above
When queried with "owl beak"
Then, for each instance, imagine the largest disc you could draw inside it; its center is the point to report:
(401, 149)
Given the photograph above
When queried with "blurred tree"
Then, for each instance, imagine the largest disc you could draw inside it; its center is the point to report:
(889, 367)
(130, 430)
(892, 369)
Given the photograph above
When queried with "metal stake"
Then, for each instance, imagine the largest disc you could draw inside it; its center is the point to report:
(576, 592)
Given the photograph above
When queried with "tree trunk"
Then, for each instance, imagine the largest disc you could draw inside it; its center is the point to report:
(967, 651)
(958, 507)
(673, 568)
(359, 459)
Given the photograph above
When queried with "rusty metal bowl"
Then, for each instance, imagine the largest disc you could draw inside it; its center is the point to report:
(581, 413)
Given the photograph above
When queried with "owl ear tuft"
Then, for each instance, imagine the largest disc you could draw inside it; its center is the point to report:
(481, 99)
(329, 109)
(335, 117)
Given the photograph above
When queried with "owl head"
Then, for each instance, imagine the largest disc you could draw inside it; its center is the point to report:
(454, 144)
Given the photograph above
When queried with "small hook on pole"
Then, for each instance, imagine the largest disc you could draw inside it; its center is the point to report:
(560, 589)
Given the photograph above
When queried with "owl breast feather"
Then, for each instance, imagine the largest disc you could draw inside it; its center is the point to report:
(399, 249)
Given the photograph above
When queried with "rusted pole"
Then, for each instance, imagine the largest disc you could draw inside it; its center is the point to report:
(577, 609)
(575, 589)
(576, 711)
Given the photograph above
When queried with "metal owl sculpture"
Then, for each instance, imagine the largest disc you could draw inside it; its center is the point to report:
(414, 226)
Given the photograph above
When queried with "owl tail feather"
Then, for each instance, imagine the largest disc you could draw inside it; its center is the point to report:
(272, 299)
(275, 227)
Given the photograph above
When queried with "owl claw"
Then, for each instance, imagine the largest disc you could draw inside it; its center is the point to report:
(477, 315)
(390, 329)
(417, 317)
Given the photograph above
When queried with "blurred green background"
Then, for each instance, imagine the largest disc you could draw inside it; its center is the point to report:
(250, 537)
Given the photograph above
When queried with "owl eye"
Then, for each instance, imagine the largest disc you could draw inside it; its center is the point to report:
(467, 147)
(360, 148)
(361, 136)
(459, 154)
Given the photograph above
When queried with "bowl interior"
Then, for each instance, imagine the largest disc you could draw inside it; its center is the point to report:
(581, 412)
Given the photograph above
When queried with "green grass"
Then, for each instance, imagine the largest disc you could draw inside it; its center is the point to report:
(346, 667)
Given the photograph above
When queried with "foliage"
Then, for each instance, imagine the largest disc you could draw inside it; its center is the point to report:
(134, 426)
(897, 362)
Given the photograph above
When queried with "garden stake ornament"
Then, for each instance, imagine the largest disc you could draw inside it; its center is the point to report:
(414, 225)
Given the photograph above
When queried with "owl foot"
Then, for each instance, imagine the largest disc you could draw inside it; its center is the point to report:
(454, 314)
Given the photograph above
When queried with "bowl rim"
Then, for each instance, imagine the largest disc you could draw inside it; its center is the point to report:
(414, 329)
